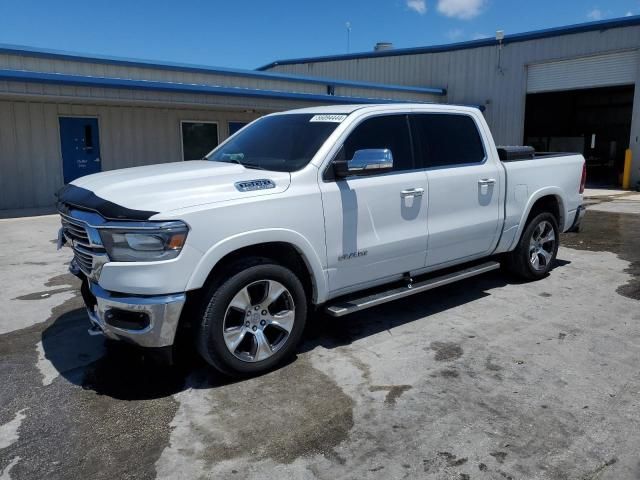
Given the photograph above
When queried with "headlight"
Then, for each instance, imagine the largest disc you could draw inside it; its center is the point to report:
(144, 245)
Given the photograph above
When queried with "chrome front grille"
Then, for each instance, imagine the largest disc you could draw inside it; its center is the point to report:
(75, 231)
(84, 259)
(88, 253)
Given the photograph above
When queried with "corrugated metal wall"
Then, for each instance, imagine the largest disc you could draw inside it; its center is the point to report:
(53, 65)
(30, 158)
(136, 127)
(583, 72)
(472, 75)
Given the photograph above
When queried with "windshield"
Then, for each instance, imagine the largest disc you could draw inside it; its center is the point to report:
(284, 143)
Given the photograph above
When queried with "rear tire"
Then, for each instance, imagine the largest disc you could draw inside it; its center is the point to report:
(535, 254)
(253, 320)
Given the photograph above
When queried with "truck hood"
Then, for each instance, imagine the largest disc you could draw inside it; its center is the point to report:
(172, 186)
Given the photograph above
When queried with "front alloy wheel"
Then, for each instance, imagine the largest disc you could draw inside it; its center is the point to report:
(259, 320)
(252, 318)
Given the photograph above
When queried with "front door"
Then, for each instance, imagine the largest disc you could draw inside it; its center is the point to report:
(376, 225)
(80, 145)
(464, 187)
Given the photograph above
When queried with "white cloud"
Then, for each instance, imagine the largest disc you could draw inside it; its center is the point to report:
(595, 14)
(480, 36)
(463, 9)
(628, 14)
(419, 6)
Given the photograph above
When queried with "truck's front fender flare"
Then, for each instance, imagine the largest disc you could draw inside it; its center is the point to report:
(256, 237)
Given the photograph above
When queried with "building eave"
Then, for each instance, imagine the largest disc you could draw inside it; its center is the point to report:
(183, 67)
(600, 25)
(149, 85)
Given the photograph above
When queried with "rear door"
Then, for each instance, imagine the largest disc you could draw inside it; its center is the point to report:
(376, 225)
(464, 187)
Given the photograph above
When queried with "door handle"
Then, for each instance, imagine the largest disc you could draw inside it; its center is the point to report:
(412, 192)
(487, 181)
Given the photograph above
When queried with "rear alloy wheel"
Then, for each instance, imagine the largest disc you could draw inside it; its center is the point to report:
(536, 251)
(254, 319)
(542, 246)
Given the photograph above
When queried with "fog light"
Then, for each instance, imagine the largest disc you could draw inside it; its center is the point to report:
(127, 320)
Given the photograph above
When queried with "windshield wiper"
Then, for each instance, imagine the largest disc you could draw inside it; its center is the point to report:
(252, 165)
(238, 162)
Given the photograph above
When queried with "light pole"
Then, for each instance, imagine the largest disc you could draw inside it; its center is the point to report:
(348, 25)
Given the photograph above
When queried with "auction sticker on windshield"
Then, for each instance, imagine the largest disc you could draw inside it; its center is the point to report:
(328, 118)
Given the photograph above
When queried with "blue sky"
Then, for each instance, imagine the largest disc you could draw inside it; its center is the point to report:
(248, 33)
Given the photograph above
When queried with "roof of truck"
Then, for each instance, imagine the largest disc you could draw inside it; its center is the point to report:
(347, 109)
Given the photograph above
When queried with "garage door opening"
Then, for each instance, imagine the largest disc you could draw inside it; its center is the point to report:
(595, 122)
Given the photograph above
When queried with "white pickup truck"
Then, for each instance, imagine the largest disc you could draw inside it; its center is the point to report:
(339, 208)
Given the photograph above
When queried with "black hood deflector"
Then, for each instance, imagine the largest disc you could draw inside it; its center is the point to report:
(83, 199)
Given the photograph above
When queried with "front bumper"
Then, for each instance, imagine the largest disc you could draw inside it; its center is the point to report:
(144, 320)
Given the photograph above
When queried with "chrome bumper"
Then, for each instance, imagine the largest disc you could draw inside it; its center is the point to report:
(159, 315)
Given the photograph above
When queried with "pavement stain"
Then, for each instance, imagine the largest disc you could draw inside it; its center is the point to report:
(66, 282)
(443, 462)
(393, 392)
(490, 365)
(611, 232)
(96, 434)
(446, 351)
(449, 373)
(499, 456)
(593, 475)
(258, 418)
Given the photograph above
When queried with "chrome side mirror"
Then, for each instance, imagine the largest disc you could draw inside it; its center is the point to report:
(366, 162)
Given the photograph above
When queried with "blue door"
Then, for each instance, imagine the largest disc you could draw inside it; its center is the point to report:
(80, 146)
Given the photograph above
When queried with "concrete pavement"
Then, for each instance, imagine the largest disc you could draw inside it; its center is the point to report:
(484, 379)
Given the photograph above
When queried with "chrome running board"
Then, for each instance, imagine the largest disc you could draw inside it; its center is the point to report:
(347, 306)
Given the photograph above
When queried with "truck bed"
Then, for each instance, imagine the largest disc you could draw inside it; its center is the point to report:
(528, 179)
(515, 153)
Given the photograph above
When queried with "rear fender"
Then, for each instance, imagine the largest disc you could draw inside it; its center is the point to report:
(543, 192)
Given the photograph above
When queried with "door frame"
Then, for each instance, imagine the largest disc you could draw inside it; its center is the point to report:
(325, 176)
(75, 115)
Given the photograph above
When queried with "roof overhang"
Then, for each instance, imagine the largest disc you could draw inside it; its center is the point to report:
(229, 72)
(150, 85)
(600, 25)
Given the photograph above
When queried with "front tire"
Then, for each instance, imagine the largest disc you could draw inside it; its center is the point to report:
(536, 251)
(253, 320)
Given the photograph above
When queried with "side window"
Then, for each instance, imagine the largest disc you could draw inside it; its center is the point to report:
(389, 132)
(446, 139)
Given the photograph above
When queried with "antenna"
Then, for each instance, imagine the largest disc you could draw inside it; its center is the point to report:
(348, 26)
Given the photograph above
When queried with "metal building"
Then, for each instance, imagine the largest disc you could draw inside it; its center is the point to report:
(574, 88)
(65, 115)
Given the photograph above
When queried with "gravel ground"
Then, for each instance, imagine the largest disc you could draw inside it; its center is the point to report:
(484, 379)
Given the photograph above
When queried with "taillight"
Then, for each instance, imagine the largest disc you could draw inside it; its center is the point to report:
(583, 180)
